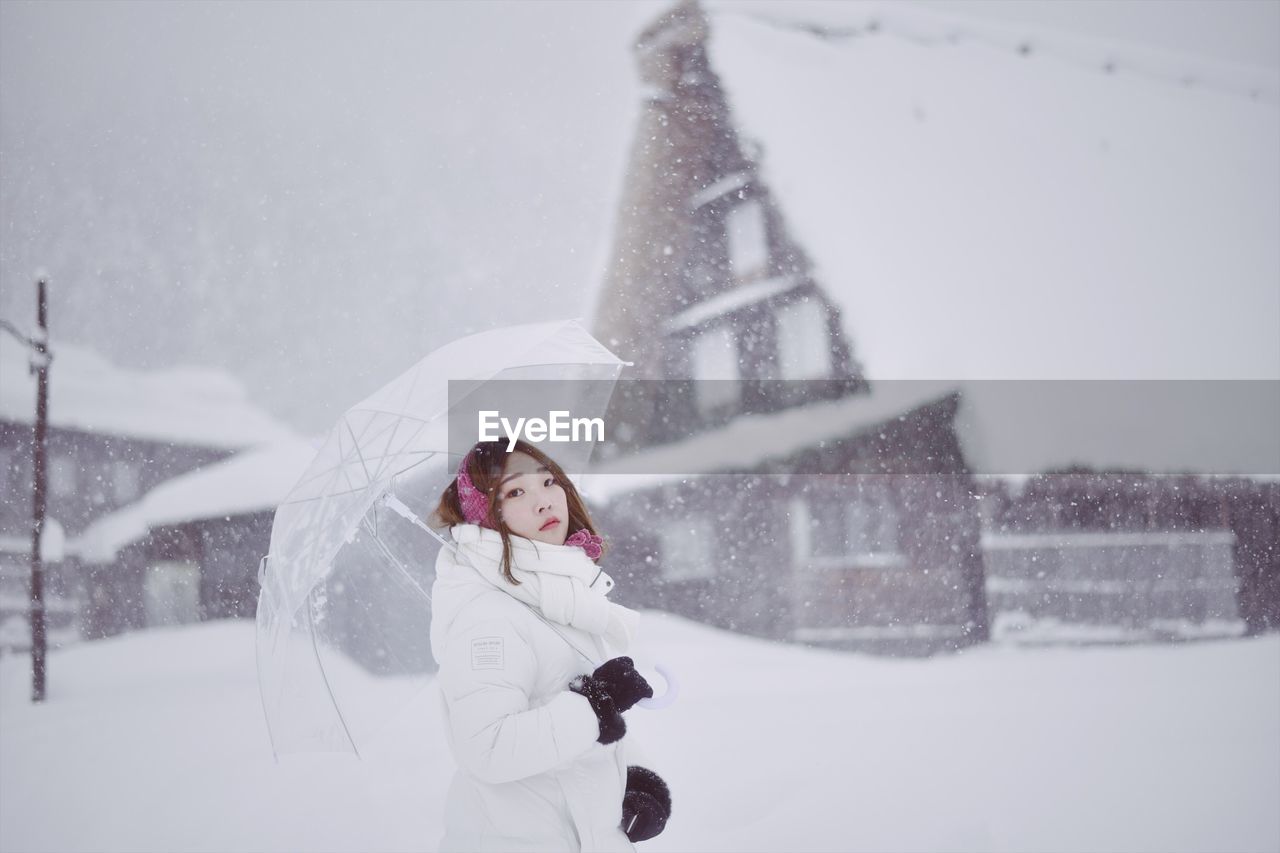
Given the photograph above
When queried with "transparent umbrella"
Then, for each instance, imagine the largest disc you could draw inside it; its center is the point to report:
(344, 609)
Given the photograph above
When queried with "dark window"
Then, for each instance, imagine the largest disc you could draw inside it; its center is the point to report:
(747, 239)
(860, 523)
(686, 549)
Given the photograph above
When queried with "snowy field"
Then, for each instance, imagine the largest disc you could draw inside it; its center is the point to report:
(156, 741)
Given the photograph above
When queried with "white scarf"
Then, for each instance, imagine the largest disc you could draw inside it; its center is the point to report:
(561, 581)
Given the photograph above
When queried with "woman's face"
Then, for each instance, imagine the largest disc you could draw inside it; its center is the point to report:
(531, 502)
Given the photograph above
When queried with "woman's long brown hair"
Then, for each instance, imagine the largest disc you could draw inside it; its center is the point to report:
(488, 460)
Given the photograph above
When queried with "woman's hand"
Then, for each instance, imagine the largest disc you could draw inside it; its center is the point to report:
(623, 683)
(613, 688)
(646, 804)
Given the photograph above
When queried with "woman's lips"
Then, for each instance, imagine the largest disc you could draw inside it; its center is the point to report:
(551, 522)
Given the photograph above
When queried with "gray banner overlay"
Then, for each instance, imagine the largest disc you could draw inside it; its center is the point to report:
(670, 427)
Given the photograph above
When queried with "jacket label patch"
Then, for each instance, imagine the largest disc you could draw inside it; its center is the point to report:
(488, 653)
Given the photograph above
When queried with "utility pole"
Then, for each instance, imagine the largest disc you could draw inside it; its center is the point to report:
(40, 367)
(40, 359)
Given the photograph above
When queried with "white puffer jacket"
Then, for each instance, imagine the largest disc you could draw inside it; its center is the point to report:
(532, 775)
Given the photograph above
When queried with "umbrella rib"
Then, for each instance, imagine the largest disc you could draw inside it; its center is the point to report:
(354, 489)
(400, 420)
(421, 426)
(578, 363)
(388, 453)
(355, 446)
(356, 440)
(398, 415)
(429, 455)
(341, 469)
(323, 471)
(311, 623)
(335, 468)
(311, 476)
(306, 480)
(342, 455)
(389, 450)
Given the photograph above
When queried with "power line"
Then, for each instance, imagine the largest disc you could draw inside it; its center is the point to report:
(1253, 84)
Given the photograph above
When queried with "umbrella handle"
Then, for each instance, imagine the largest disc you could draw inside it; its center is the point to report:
(673, 690)
(392, 502)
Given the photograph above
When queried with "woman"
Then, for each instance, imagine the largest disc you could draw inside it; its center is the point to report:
(518, 615)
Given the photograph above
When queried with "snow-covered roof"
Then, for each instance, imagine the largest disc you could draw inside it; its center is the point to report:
(731, 300)
(181, 405)
(1008, 429)
(983, 211)
(722, 187)
(251, 481)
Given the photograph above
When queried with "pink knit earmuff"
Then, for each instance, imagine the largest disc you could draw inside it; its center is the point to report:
(475, 505)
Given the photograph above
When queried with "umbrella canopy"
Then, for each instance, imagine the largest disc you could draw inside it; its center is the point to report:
(343, 612)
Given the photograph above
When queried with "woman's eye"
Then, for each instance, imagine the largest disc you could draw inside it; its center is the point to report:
(549, 481)
(512, 493)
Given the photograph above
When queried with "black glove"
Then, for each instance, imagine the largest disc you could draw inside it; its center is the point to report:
(622, 682)
(613, 688)
(646, 804)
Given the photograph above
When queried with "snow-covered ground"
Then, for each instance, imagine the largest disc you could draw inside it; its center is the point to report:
(156, 741)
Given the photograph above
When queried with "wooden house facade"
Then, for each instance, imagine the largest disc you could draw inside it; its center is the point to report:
(114, 436)
(189, 550)
(178, 573)
(1112, 555)
(89, 475)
